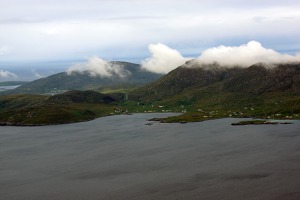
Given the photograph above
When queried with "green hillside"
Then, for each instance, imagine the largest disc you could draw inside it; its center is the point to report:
(61, 82)
(73, 106)
(200, 92)
(214, 92)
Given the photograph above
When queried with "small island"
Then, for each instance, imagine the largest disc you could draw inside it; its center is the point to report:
(258, 122)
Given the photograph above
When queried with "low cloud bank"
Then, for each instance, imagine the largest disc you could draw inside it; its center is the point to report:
(96, 66)
(163, 59)
(245, 55)
(7, 74)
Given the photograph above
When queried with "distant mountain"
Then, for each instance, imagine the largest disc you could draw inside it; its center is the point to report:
(12, 83)
(62, 82)
(258, 90)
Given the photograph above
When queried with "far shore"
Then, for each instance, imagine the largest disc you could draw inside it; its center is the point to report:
(251, 121)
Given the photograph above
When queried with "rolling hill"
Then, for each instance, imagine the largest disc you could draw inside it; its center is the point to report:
(61, 82)
(214, 91)
(200, 92)
(72, 106)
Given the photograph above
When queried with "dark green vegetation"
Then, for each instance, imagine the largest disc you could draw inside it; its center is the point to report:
(258, 122)
(210, 92)
(117, 88)
(12, 83)
(200, 92)
(73, 106)
(62, 82)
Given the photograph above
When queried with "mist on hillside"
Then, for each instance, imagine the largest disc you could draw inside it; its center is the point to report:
(244, 55)
(96, 66)
(7, 74)
(164, 59)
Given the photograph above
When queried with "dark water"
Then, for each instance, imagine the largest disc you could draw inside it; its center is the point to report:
(120, 157)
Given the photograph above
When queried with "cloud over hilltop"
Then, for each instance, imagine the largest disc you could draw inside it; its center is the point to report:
(96, 66)
(163, 59)
(244, 55)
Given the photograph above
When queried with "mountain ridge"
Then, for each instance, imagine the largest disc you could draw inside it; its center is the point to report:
(62, 82)
(255, 91)
(254, 79)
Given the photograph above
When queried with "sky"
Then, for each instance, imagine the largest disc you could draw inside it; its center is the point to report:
(129, 30)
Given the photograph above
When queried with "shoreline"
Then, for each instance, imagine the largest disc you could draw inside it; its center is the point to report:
(251, 121)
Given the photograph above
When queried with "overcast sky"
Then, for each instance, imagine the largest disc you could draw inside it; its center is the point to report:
(123, 29)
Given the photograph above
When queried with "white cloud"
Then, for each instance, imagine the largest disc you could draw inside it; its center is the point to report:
(96, 66)
(36, 32)
(7, 74)
(244, 55)
(4, 50)
(163, 59)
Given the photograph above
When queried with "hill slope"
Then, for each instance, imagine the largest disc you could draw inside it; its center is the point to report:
(61, 82)
(73, 106)
(182, 79)
(201, 92)
(215, 91)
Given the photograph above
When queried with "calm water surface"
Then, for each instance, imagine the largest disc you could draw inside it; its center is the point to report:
(4, 88)
(120, 157)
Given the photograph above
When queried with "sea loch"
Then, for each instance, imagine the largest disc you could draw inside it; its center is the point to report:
(126, 157)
